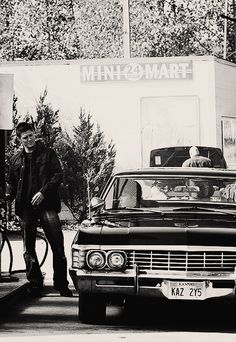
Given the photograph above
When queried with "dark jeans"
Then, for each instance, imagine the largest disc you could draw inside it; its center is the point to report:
(51, 225)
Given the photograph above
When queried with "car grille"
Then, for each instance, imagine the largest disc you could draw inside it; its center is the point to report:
(182, 260)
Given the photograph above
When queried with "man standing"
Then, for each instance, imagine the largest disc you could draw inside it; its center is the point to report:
(196, 160)
(34, 178)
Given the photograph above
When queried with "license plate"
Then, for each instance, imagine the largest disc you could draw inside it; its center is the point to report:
(186, 290)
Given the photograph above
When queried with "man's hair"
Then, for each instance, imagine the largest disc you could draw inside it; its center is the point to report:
(194, 151)
(23, 127)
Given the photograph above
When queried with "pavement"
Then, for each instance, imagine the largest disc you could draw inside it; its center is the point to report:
(129, 337)
(13, 288)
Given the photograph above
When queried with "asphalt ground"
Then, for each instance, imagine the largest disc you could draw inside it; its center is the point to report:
(11, 292)
(14, 286)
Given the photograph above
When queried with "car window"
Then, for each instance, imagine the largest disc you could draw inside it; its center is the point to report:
(123, 193)
(148, 192)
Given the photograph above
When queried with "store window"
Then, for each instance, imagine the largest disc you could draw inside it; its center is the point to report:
(229, 139)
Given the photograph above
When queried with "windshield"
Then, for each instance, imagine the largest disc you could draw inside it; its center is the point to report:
(153, 192)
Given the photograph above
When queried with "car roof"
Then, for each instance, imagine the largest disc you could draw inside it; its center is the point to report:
(178, 171)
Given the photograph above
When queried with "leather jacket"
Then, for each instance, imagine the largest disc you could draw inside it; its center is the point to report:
(47, 175)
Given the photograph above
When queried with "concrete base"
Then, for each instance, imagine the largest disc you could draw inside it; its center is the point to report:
(12, 289)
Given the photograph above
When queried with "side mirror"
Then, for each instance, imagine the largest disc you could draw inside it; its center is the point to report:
(96, 202)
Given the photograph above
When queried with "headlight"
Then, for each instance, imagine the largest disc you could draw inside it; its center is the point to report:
(116, 260)
(96, 260)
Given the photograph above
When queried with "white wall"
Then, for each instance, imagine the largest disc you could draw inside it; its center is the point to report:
(225, 85)
(169, 121)
(225, 80)
(6, 94)
(115, 105)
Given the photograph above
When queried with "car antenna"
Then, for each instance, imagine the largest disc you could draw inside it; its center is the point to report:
(88, 194)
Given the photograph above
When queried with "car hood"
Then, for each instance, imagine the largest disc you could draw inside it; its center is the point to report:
(145, 235)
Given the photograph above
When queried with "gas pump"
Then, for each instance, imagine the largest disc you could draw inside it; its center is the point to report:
(4, 277)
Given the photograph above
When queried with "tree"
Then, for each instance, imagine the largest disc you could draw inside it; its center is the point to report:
(176, 27)
(46, 125)
(60, 29)
(69, 191)
(86, 158)
(70, 29)
(13, 143)
(46, 122)
(88, 162)
(100, 28)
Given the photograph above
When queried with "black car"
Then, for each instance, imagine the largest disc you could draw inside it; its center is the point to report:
(157, 232)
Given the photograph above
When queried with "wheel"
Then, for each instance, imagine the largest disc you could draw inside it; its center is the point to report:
(92, 308)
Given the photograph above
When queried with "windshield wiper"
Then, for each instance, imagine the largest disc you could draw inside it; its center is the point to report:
(212, 210)
(142, 210)
(198, 208)
(106, 214)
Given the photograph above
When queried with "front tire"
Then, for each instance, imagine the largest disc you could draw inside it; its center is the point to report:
(92, 308)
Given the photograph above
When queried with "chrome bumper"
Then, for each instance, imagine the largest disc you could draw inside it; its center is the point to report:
(133, 283)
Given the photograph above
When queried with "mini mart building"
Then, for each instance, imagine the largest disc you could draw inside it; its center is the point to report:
(141, 103)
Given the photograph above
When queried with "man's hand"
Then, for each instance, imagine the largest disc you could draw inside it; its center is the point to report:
(37, 198)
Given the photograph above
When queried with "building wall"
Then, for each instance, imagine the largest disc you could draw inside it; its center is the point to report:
(116, 104)
(200, 90)
(122, 101)
(6, 95)
(225, 88)
(2, 161)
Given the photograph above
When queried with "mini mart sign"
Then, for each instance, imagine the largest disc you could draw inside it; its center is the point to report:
(136, 71)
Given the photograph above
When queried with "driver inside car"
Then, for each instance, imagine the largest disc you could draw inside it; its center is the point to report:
(130, 195)
(157, 192)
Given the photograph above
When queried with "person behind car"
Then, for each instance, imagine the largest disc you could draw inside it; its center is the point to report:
(35, 174)
(196, 160)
